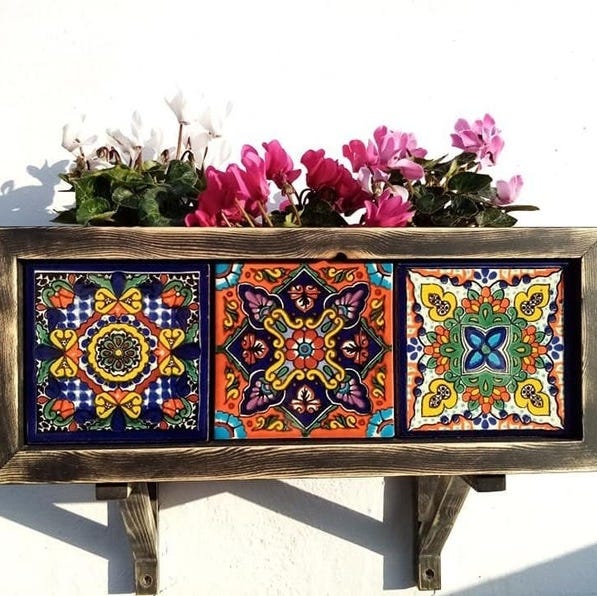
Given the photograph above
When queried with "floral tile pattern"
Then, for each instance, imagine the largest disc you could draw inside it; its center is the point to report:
(303, 350)
(116, 354)
(485, 349)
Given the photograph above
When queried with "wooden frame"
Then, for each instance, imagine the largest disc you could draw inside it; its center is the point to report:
(22, 463)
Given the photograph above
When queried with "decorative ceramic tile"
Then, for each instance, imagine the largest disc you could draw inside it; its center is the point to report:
(116, 352)
(485, 349)
(303, 350)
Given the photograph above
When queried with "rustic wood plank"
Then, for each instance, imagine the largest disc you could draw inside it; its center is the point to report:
(486, 483)
(306, 459)
(140, 516)
(10, 424)
(313, 458)
(321, 243)
(112, 491)
(442, 498)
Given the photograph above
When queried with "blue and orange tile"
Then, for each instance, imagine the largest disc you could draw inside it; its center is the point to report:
(116, 352)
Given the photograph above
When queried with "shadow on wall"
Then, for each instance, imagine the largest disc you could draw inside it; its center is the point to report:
(37, 507)
(28, 205)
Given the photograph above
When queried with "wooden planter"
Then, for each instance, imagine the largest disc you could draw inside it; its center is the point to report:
(146, 355)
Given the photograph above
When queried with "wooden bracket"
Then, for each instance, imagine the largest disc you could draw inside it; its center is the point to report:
(139, 508)
(439, 500)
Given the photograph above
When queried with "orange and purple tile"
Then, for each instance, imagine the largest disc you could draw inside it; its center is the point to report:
(303, 350)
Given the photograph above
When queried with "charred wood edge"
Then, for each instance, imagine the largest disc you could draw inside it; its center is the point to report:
(139, 508)
(438, 503)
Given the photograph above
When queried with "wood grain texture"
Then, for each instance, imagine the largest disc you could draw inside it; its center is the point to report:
(21, 463)
(139, 514)
(10, 421)
(295, 460)
(439, 502)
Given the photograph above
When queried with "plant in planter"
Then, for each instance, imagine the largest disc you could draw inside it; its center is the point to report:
(390, 181)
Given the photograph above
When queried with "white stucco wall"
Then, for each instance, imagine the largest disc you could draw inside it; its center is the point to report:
(314, 73)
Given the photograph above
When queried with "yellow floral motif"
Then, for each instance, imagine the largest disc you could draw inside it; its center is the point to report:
(529, 394)
(169, 364)
(268, 274)
(270, 423)
(106, 403)
(232, 384)
(333, 272)
(349, 421)
(529, 304)
(441, 304)
(379, 382)
(441, 395)
(278, 318)
(137, 364)
(378, 312)
(230, 314)
(65, 366)
(130, 302)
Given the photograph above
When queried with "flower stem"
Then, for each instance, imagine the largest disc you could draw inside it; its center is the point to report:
(245, 214)
(265, 216)
(226, 220)
(288, 191)
(179, 143)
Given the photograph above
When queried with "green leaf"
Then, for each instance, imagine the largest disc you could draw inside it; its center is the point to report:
(101, 281)
(428, 201)
(66, 217)
(149, 209)
(463, 206)
(499, 294)
(102, 218)
(492, 217)
(320, 214)
(472, 294)
(134, 281)
(43, 371)
(191, 334)
(192, 372)
(126, 197)
(182, 178)
(43, 337)
(473, 405)
(469, 182)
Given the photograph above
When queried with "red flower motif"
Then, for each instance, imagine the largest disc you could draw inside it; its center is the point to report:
(497, 304)
(64, 408)
(486, 402)
(173, 298)
(253, 348)
(171, 407)
(305, 348)
(434, 350)
(357, 348)
(62, 298)
(529, 336)
(303, 296)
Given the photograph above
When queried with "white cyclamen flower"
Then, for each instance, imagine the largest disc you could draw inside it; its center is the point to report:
(73, 138)
(213, 119)
(179, 105)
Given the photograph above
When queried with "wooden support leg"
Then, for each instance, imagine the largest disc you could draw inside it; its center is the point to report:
(439, 500)
(139, 509)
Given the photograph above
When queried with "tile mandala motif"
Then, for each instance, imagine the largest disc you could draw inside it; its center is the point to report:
(485, 349)
(116, 352)
(304, 351)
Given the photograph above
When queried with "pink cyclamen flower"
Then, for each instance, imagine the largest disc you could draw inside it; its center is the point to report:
(360, 156)
(219, 202)
(252, 182)
(279, 167)
(391, 209)
(481, 137)
(508, 191)
(324, 172)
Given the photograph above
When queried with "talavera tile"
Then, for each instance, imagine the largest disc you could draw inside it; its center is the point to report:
(115, 352)
(484, 349)
(303, 350)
